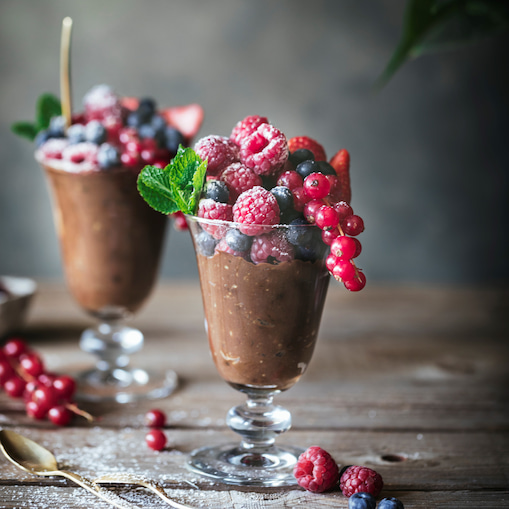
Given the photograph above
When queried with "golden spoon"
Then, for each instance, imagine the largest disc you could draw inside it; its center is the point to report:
(35, 459)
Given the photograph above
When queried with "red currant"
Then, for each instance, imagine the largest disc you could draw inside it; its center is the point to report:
(64, 387)
(326, 218)
(352, 225)
(358, 247)
(300, 198)
(45, 396)
(316, 185)
(35, 410)
(15, 387)
(330, 262)
(329, 235)
(310, 210)
(60, 415)
(343, 209)
(357, 283)
(290, 179)
(31, 363)
(344, 247)
(156, 439)
(129, 159)
(6, 371)
(155, 418)
(14, 347)
(344, 270)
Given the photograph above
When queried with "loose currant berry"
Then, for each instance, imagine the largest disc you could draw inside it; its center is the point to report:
(352, 225)
(155, 418)
(344, 247)
(60, 415)
(326, 218)
(156, 439)
(316, 186)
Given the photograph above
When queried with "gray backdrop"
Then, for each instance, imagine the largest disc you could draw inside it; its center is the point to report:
(429, 152)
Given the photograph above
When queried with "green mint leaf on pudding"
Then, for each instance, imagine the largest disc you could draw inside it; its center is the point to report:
(25, 130)
(47, 106)
(176, 187)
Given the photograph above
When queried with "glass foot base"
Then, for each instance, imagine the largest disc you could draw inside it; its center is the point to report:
(125, 385)
(232, 464)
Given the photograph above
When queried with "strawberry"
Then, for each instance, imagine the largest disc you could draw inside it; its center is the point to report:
(341, 163)
(130, 103)
(187, 119)
(305, 142)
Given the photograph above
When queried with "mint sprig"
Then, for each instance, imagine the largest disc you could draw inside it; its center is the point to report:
(176, 187)
(47, 106)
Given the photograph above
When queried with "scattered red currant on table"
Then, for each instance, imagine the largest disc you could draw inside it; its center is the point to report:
(22, 375)
(155, 438)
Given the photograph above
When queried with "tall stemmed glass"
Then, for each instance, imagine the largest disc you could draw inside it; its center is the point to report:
(111, 242)
(262, 315)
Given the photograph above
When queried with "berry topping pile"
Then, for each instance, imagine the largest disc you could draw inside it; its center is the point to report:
(46, 395)
(257, 178)
(113, 131)
(316, 470)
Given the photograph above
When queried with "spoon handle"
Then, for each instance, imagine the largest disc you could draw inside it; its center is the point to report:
(106, 495)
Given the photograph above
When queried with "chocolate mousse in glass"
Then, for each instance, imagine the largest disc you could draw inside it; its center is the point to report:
(111, 240)
(262, 315)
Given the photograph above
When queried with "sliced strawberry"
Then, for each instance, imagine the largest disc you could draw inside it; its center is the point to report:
(130, 103)
(341, 163)
(187, 119)
(306, 142)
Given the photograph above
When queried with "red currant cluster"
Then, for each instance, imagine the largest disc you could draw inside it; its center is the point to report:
(155, 438)
(22, 375)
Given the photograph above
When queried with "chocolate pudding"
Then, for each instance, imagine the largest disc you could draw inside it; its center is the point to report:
(110, 239)
(263, 319)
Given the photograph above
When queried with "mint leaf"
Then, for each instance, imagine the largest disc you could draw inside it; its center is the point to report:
(47, 106)
(176, 187)
(25, 130)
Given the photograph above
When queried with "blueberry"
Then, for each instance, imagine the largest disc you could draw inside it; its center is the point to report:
(301, 155)
(307, 167)
(284, 197)
(238, 241)
(174, 138)
(76, 134)
(108, 156)
(299, 232)
(217, 191)
(205, 243)
(42, 136)
(57, 127)
(268, 182)
(146, 109)
(158, 123)
(289, 215)
(326, 168)
(361, 500)
(95, 132)
(146, 131)
(390, 503)
(134, 120)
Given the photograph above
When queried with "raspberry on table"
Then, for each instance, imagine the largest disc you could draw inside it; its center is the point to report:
(239, 178)
(265, 150)
(298, 142)
(357, 478)
(245, 127)
(316, 470)
(219, 152)
(254, 209)
(271, 248)
(210, 209)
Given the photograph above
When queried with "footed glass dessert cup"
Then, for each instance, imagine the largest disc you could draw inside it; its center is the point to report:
(263, 290)
(111, 242)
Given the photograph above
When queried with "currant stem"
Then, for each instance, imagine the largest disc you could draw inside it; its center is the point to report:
(78, 411)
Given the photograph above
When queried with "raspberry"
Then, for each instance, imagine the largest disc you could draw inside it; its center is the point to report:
(265, 150)
(245, 127)
(239, 178)
(219, 151)
(316, 470)
(355, 479)
(53, 148)
(255, 208)
(101, 102)
(341, 163)
(210, 209)
(85, 152)
(299, 142)
(223, 246)
(271, 248)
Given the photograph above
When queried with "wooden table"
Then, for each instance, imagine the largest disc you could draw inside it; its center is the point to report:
(412, 382)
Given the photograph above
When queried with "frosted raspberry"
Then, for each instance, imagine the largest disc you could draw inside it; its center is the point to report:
(85, 152)
(239, 178)
(316, 470)
(245, 127)
(101, 102)
(265, 150)
(255, 208)
(53, 148)
(219, 151)
(355, 479)
(210, 209)
(298, 142)
(272, 247)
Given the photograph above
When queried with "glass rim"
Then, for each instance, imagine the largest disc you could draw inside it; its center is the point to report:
(237, 225)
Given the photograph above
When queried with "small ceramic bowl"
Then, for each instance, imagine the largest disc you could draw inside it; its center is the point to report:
(15, 297)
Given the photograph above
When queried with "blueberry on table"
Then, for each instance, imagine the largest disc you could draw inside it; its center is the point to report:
(390, 503)
(361, 500)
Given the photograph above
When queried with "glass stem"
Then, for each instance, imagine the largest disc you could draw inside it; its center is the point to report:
(258, 421)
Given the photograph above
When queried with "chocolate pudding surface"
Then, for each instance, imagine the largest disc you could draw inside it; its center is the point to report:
(110, 239)
(262, 320)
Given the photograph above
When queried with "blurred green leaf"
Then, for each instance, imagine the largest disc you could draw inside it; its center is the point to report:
(47, 106)
(25, 130)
